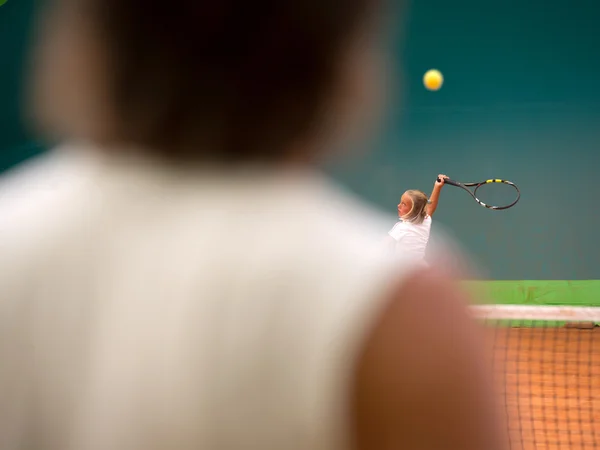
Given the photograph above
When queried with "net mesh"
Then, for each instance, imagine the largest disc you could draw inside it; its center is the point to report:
(546, 361)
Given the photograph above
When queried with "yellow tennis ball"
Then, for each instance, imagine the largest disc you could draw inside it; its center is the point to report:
(433, 80)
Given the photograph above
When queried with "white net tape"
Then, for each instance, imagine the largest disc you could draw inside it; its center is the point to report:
(541, 313)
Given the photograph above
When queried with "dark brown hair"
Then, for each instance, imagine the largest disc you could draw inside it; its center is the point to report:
(222, 80)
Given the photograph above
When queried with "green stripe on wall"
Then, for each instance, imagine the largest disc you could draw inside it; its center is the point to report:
(537, 292)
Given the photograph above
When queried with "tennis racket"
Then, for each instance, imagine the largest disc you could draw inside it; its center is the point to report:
(492, 194)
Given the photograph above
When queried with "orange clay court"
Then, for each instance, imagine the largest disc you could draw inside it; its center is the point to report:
(549, 376)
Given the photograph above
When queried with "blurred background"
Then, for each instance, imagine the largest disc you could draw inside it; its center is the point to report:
(521, 101)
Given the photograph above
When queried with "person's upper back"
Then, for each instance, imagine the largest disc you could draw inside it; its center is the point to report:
(147, 308)
(411, 238)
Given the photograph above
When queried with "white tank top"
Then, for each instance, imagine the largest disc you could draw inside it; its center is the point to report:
(145, 308)
(411, 238)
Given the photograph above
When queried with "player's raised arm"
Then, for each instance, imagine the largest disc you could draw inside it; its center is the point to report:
(435, 194)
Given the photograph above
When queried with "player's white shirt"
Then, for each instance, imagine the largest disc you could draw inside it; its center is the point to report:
(145, 308)
(411, 238)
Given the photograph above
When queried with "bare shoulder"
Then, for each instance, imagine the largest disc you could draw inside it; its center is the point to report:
(422, 381)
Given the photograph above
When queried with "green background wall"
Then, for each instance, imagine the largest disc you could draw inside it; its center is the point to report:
(16, 19)
(521, 101)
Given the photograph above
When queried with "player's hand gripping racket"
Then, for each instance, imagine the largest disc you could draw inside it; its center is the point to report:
(492, 194)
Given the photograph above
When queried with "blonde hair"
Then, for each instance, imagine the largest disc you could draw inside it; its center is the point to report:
(418, 211)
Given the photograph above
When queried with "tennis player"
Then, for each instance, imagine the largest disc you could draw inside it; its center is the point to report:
(410, 235)
(177, 274)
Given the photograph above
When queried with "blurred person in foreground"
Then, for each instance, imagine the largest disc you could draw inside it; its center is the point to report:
(178, 275)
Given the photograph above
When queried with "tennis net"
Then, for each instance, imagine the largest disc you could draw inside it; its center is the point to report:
(547, 362)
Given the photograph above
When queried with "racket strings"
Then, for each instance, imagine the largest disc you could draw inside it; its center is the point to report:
(497, 194)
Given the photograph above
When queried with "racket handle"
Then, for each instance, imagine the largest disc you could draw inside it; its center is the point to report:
(449, 181)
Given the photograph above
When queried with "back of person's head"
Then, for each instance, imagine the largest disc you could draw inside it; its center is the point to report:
(418, 211)
(225, 81)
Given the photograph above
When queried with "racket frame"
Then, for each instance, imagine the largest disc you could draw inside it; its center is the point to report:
(477, 185)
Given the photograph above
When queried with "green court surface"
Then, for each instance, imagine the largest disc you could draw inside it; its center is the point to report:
(537, 292)
(582, 293)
